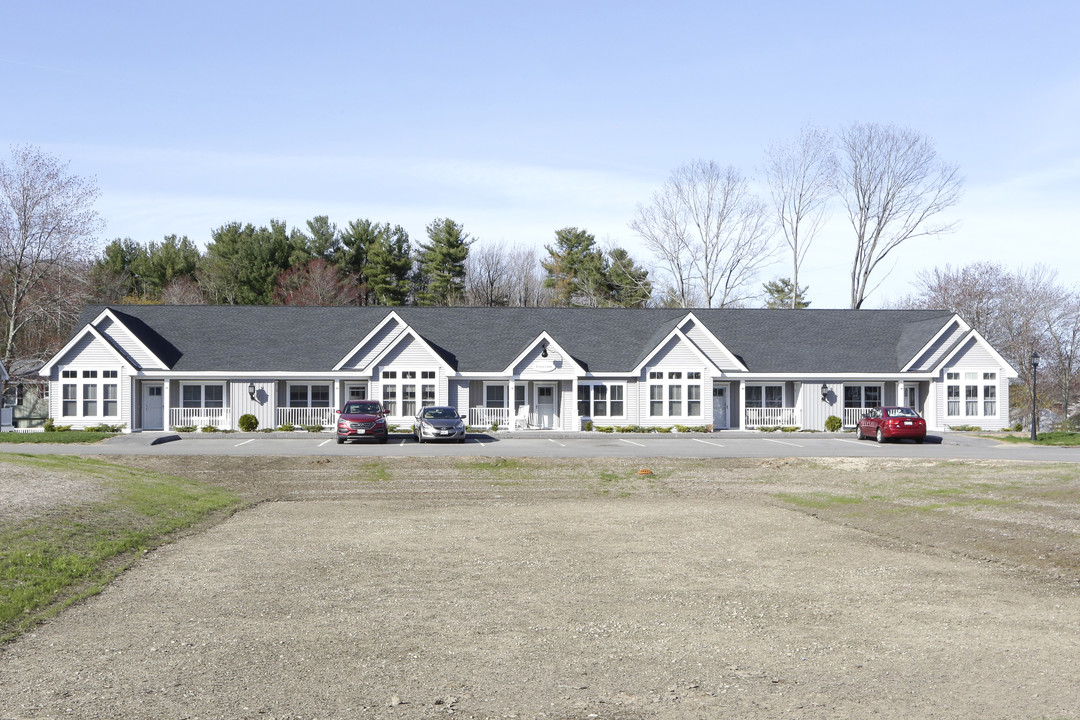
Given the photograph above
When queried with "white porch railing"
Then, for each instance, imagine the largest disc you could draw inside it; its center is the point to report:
(221, 418)
(853, 414)
(485, 416)
(773, 417)
(298, 417)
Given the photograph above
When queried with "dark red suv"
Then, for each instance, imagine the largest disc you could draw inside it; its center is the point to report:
(362, 420)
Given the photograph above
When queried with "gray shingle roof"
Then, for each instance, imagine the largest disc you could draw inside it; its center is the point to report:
(280, 338)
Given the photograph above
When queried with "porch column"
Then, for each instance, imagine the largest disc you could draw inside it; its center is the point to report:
(511, 422)
(166, 400)
(742, 405)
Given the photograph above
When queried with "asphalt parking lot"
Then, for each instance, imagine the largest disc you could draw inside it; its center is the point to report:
(576, 445)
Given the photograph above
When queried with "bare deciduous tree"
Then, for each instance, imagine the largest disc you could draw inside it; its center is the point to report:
(486, 271)
(47, 227)
(801, 179)
(893, 185)
(709, 231)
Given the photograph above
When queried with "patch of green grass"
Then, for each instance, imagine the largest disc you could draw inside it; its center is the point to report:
(54, 438)
(818, 500)
(50, 560)
(1049, 438)
(375, 472)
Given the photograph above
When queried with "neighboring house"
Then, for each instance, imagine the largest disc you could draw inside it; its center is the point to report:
(26, 395)
(158, 367)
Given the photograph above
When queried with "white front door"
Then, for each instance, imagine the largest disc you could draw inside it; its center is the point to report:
(153, 407)
(719, 407)
(545, 406)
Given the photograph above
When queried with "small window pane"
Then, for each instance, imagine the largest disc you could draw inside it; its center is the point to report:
(408, 399)
(616, 400)
(656, 400)
(70, 400)
(214, 396)
(109, 404)
(192, 396)
(320, 396)
(584, 403)
(693, 400)
(298, 396)
(89, 394)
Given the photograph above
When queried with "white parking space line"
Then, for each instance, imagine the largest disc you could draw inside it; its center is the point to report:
(706, 442)
(323, 443)
(853, 442)
(244, 443)
(631, 442)
(556, 442)
(781, 442)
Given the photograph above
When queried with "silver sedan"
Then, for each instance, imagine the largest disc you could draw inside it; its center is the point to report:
(439, 423)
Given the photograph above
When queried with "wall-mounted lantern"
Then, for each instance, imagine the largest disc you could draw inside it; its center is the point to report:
(543, 351)
(824, 392)
(251, 390)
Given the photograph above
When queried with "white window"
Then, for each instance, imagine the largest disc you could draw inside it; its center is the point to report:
(70, 407)
(769, 396)
(408, 398)
(601, 400)
(427, 395)
(862, 396)
(202, 396)
(406, 391)
(679, 392)
(656, 400)
(978, 389)
(495, 396)
(109, 400)
(389, 398)
(314, 396)
(89, 396)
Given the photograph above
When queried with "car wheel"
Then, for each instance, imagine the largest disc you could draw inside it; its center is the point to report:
(880, 436)
(461, 440)
(382, 440)
(919, 440)
(340, 441)
(858, 433)
(419, 438)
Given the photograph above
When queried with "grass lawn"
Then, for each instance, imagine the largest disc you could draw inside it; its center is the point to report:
(1048, 438)
(73, 524)
(67, 436)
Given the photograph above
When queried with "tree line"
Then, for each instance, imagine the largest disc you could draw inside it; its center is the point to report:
(708, 232)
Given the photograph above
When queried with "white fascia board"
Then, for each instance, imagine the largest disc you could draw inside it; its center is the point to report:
(730, 355)
(1010, 371)
(677, 333)
(544, 337)
(964, 327)
(107, 312)
(47, 367)
(392, 315)
(397, 339)
(799, 377)
(242, 375)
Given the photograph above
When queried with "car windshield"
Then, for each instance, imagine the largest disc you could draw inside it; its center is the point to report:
(439, 413)
(901, 412)
(362, 408)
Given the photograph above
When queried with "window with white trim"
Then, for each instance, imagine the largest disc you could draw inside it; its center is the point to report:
(303, 395)
(495, 395)
(91, 397)
(764, 396)
(677, 392)
(862, 396)
(210, 395)
(978, 389)
(601, 400)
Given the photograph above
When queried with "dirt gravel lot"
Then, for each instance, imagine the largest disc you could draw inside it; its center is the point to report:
(548, 589)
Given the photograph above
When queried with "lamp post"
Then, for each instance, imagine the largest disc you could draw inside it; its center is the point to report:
(1034, 395)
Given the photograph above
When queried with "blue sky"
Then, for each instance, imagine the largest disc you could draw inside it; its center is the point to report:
(519, 119)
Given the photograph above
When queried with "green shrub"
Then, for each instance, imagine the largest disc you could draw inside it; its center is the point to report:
(769, 428)
(313, 428)
(494, 426)
(209, 428)
(790, 428)
(49, 426)
(604, 429)
(1018, 426)
(663, 429)
(103, 428)
(965, 428)
(286, 427)
(587, 426)
(248, 422)
(833, 423)
(185, 428)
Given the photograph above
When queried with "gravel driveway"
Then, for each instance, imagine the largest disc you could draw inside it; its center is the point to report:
(506, 600)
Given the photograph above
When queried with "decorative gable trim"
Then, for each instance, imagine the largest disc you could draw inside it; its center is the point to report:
(108, 313)
(391, 316)
(1010, 371)
(544, 337)
(961, 325)
(690, 317)
(679, 335)
(46, 369)
(408, 332)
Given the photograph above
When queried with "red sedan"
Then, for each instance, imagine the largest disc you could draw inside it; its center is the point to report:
(888, 423)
